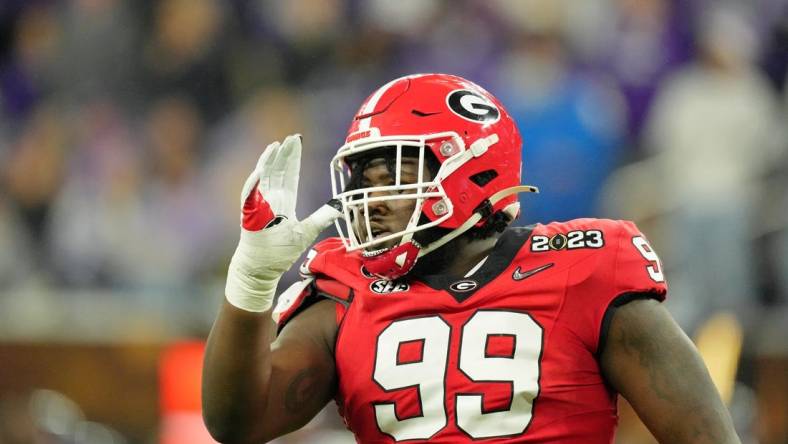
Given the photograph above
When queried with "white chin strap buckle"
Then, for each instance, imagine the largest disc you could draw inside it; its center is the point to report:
(482, 145)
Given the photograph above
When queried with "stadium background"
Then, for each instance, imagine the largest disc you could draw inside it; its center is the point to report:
(128, 127)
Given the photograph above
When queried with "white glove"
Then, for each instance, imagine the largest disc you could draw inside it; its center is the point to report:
(272, 238)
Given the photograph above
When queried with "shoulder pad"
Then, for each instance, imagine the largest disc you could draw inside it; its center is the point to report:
(306, 292)
(638, 267)
(329, 259)
(606, 225)
(323, 247)
(578, 234)
(628, 261)
(290, 300)
(602, 277)
(332, 289)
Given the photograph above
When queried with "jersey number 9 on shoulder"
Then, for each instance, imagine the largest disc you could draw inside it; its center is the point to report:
(430, 373)
(648, 253)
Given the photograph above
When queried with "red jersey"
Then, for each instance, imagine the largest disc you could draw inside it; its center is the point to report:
(507, 354)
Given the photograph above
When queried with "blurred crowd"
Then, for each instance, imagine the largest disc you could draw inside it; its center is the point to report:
(128, 127)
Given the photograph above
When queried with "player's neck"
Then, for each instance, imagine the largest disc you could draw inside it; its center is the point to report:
(472, 253)
(455, 258)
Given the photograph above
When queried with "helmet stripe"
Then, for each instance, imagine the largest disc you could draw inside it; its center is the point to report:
(372, 102)
(364, 124)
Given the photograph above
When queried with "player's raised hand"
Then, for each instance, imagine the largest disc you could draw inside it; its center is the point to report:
(272, 238)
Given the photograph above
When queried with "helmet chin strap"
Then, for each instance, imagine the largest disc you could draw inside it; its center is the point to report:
(401, 259)
(476, 217)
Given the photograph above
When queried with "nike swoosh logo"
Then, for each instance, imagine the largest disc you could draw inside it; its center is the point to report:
(518, 275)
(424, 114)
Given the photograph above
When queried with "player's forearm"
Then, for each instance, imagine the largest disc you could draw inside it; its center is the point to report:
(238, 362)
(692, 411)
(236, 373)
(703, 424)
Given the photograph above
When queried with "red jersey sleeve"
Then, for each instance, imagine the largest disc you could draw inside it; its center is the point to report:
(326, 276)
(625, 269)
(638, 269)
(638, 275)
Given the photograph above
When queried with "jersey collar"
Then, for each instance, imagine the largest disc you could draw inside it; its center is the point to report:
(499, 259)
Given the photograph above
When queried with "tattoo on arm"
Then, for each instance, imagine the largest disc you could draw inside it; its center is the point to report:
(650, 354)
(668, 382)
(302, 390)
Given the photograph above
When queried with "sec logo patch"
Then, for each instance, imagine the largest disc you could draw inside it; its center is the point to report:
(383, 286)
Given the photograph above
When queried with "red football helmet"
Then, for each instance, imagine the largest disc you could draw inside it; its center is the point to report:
(471, 135)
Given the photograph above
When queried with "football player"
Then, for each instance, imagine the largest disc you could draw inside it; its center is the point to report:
(429, 319)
